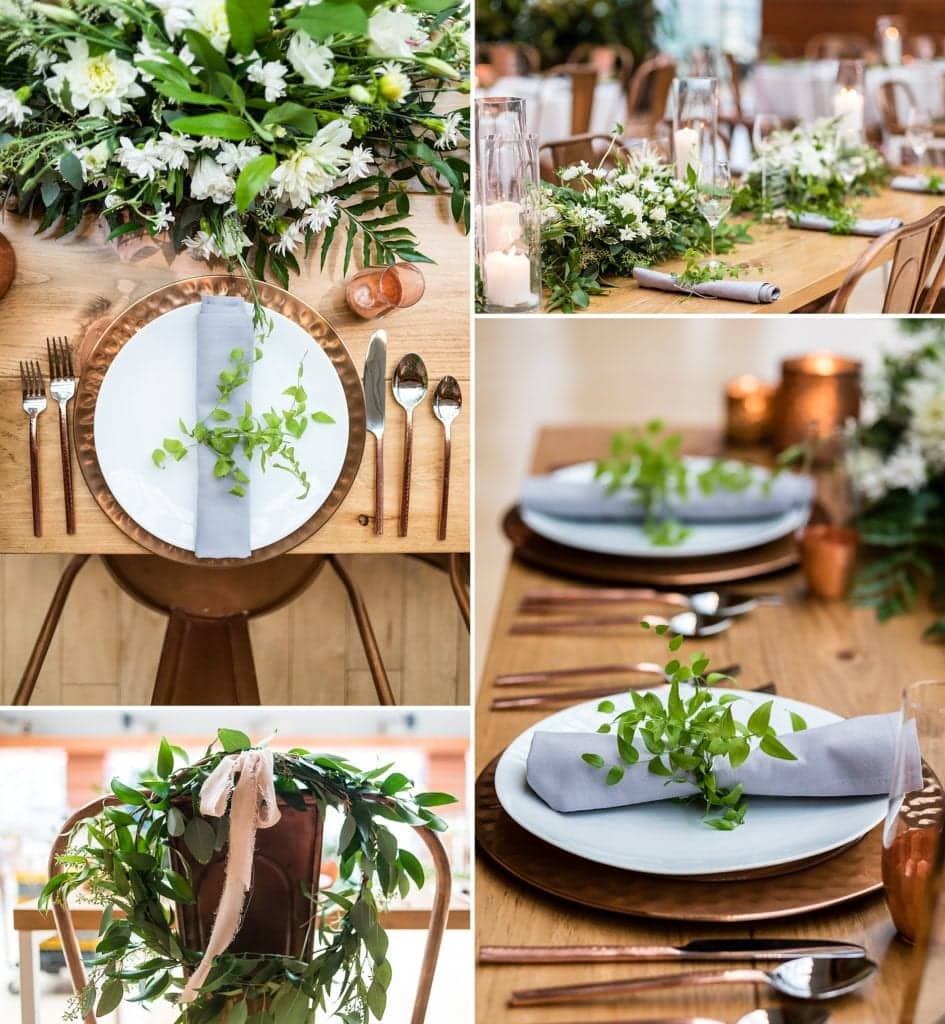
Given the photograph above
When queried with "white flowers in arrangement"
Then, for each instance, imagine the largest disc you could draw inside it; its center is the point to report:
(244, 128)
(896, 465)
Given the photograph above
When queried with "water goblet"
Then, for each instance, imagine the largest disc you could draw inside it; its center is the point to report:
(763, 127)
(919, 132)
(714, 199)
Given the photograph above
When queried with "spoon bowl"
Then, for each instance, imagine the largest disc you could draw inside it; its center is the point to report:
(820, 977)
(692, 624)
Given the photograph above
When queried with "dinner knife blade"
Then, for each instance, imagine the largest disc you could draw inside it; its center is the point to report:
(375, 372)
(698, 950)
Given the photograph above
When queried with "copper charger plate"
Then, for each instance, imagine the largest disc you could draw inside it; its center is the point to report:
(545, 554)
(183, 293)
(786, 891)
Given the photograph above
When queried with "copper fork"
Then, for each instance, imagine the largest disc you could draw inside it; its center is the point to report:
(34, 402)
(62, 389)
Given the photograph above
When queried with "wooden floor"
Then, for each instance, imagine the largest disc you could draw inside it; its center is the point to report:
(107, 647)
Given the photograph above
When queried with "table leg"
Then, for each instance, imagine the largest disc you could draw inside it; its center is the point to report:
(29, 972)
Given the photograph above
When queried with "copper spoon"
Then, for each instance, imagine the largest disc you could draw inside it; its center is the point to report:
(410, 388)
(447, 403)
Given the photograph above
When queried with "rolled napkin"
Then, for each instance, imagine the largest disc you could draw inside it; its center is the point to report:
(759, 292)
(915, 183)
(868, 228)
(555, 495)
(223, 519)
(854, 757)
(253, 806)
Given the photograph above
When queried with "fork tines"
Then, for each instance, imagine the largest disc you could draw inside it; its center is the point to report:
(60, 358)
(31, 379)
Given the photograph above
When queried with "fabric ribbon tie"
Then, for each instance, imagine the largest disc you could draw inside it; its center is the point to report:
(253, 806)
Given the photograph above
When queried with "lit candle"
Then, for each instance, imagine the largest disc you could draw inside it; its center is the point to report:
(818, 394)
(686, 146)
(749, 406)
(503, 225)
(507, 279)
(848, 106)
(892, 46)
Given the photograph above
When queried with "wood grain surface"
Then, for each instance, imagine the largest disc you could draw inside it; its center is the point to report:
(77, 285)
(830, 654)
(805, 265)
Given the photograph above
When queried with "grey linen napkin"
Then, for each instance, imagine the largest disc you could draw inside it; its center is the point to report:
(855, 757)
(223, 519)
(868, 228)
(589, 500)
(759, 292)
(914, 183)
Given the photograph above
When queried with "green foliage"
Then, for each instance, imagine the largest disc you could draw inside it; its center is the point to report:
(124, 860)
(682, 738)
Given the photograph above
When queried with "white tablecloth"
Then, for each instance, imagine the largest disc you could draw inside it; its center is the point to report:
(549, 104)
(804, 89)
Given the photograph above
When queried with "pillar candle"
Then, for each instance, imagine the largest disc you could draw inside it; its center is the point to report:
(848, 106)
(502, 225)
(892, 46)
(508, 279)
(686, 147)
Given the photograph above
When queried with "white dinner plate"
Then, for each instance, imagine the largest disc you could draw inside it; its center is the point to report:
(151, 384)
(670, 838)
(629, 540)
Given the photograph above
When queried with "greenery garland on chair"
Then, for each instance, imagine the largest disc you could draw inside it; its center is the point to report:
(123, 859)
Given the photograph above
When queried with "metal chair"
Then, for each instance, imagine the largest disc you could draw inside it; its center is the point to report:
(438, 915)
(207, 657)
(647, 94)
(890, 97)
(917, 271)
(583, 78)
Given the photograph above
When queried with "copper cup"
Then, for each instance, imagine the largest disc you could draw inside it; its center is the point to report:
(818, 394)
(828, 555)
(749, 410)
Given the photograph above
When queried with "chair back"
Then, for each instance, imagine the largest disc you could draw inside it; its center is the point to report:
(917, 271)
(583, 78)
(893, 97)
(836, 46)
(611, 61)
(589, 147)
(735, 80)
(922, 46)
(512, 59)
(647, 94)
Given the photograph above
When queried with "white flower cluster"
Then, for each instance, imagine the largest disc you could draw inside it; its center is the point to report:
(920, 452)
(636, 200)
(812, 151)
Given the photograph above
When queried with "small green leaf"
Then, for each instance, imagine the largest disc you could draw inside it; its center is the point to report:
(594, 760)
(760, 719)
(614, 775)
(216, 126)
(252, 179)
(606, 707)
(798, 724)
(165, 759)
(157, 457)
(434, 799)
(773, 747)
(322, 417)
(127, 795)
(233, 741)
(110, 997)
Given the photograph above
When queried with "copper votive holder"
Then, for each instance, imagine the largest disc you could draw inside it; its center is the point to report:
(828, 555)
(749, 410)
(819, 392)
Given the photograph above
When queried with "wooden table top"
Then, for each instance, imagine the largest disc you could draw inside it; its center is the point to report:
(828, 653)
(77, 285)
(806, 265)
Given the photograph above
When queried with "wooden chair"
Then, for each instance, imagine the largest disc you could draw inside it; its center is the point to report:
(612, 61)
(735, 80)
(917, 271)
(836, 46)
(776, 48)
(892, 97)
(207, 657)
(439, 915)
(589, 147)
(922, 46)
(583, 78)
(647, 94)
(511, 59)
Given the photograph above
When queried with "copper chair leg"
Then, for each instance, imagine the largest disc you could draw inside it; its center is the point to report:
(459, 571)
(206, 661)
(24, 692)
(385, 694)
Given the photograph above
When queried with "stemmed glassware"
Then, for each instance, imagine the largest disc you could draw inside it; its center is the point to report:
(763, 126)
(919, 132)
(714, 198)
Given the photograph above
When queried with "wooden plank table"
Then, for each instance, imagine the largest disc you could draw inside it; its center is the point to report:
(77, 285)
(828, 653)
(806, 265)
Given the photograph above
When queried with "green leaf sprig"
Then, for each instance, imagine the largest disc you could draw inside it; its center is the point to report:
(684, 736)
(697, 271)
(271, 436)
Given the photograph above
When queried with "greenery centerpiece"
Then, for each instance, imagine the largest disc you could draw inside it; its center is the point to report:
(629, 211)
(245, 129)
(128, 859)
(806, 170)
(896, 462)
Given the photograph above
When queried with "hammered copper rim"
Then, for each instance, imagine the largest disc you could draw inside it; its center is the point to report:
(797, 889)
(550, 556)
(183, 293)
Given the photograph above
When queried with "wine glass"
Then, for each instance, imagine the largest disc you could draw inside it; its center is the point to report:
(714, 198)
(919, 132)
(763, 126)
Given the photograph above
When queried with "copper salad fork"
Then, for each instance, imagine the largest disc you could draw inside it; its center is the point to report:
(34, 402)
(62, 388)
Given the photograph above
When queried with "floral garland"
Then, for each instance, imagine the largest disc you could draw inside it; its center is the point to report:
(245, 128)
(896, 464)
(606, 220)
(805, 170)
(124, 859)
